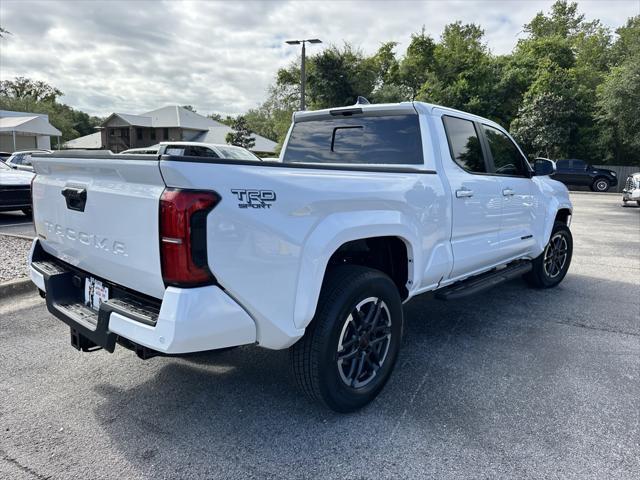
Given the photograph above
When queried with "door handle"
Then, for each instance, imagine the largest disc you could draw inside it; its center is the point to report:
(507, 192)
(464, 193)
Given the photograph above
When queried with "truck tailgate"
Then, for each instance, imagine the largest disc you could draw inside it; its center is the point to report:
(101, 215)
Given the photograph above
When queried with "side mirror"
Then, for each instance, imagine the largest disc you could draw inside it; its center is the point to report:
(544, 167)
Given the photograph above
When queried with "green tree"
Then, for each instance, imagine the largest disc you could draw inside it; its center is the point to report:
(241, 135)
(22, 87)
(619, 113)
(25, 95)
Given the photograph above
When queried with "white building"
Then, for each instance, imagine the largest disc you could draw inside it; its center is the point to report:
(25, 131)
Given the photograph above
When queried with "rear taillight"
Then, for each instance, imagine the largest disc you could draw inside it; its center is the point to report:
(183, 236)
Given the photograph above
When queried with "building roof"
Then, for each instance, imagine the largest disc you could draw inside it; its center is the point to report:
(29, 124)
(134, 120)
(92, 141)
(174, 116)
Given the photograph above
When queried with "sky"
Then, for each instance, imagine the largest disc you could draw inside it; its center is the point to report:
(138, 55)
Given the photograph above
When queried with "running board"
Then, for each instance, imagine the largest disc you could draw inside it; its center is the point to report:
(485, 281)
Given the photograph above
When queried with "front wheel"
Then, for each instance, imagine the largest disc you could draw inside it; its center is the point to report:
(551, 266)
(350, 347)
(600, 185)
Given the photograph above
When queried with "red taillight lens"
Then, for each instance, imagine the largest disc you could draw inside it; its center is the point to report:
(183, 236)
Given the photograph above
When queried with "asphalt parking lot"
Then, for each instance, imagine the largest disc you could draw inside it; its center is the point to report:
(515, 383)
(16, 223)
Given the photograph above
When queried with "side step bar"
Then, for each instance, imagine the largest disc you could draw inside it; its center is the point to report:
(485, 281)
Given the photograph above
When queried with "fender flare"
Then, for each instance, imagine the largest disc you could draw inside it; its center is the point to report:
(333, 232)
(553, 207)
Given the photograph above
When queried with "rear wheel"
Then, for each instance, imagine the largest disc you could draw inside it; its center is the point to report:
(350, 348)
(600, 185)
(551, 266)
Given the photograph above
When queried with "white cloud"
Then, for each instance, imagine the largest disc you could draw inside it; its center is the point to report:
(221, 56)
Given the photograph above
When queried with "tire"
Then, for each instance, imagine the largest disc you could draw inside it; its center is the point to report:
(557, 266)
(600, 184)
(339, 326)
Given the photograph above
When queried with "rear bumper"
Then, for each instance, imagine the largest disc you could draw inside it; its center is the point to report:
(184, 321)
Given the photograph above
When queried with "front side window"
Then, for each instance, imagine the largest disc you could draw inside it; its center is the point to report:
(562, 164)
(388, 139)
(16, 159)
(464, 144)
(507, 159)
(579, 165)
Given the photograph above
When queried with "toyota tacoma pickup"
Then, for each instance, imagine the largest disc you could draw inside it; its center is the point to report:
(367, 207)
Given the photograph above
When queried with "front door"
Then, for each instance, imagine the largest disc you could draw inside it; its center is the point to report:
(517, 190)
(476, 199)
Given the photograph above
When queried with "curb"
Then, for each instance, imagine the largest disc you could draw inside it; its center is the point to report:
(16, 235)
(16, 287)
(582, 192)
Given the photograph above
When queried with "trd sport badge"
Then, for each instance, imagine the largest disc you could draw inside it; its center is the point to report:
(254, 198)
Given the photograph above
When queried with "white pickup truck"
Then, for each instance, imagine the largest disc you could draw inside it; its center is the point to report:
(368, 206)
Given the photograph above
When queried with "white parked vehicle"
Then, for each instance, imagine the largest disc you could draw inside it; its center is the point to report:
(370, 206)
(631, 191)
(22, 160)
(196, 149)
(15, 190)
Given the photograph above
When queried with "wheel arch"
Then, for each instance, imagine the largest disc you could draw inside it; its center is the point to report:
(333, 243)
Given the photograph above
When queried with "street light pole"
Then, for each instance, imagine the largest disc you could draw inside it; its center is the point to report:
(303, 74)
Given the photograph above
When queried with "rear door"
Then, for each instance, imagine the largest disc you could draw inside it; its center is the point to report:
(563, 171)
(476, 198)
(518, 198)
(578, 174)
(101, 214)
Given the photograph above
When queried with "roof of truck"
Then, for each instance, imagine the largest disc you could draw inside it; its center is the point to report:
(386, 108)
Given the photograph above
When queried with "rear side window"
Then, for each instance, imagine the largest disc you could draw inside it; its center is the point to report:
(464, 144)
(391, 139)
(507, 159)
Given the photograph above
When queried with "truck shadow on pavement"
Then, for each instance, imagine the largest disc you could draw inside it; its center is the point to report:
(507, 366)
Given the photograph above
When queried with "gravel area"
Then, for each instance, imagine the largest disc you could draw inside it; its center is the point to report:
(13, 258)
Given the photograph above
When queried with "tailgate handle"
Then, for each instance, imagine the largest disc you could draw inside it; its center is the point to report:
(76, 198)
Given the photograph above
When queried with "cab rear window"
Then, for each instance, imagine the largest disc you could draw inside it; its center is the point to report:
(392, 139)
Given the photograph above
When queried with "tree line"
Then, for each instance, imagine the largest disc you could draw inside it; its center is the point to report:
(569, 88)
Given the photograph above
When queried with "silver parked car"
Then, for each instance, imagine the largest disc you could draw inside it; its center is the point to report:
(631, 191)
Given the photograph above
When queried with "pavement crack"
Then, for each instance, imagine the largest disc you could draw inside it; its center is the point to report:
(9, 459)
(590, 327)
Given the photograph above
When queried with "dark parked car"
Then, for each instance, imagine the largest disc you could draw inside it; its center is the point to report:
(580, 173)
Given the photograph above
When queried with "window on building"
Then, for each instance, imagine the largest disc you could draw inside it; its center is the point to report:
(139, 133)
(153, 134)
(165, 133)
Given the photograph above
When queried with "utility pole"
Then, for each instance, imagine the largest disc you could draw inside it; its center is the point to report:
(303, 74)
